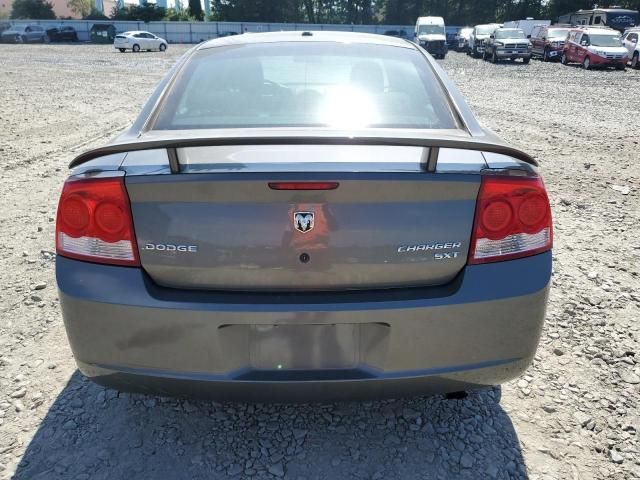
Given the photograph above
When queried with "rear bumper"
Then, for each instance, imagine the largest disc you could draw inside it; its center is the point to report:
(128, 333)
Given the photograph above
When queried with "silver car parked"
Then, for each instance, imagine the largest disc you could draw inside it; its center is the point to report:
(24, 34)
(304, 215)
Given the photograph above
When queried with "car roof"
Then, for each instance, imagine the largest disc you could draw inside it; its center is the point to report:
(595, 30)
(307, 37)
(614, 10)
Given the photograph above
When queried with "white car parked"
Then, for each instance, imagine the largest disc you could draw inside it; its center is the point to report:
(631, 43)
(139, 40)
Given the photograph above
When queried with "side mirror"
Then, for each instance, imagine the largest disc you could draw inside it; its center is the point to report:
(584, 43)
(528, 36)
(492, 36)
(544, 39)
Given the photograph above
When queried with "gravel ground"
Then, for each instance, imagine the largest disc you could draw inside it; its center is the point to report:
(574, 415)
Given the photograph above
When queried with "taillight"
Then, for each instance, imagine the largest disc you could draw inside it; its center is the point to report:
(513, 219)
(94, 222)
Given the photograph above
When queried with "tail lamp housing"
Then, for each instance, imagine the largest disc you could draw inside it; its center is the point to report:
(94, 222)
(513, 219)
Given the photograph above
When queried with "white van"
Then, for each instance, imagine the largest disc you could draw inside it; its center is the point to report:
(430, 34)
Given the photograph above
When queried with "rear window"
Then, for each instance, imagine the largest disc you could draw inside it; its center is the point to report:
(293, 84)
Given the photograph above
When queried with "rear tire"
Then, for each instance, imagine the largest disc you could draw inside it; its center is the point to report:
(136, 48)
(526, 61)
(586, 63)
(635, 61)
(122, 50)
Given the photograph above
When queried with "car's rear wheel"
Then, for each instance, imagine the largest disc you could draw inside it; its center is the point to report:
(526, 60)
(586, 63)
(136, 48)
(162, 47)
(635, 61)
(564, 60)
(122, 50)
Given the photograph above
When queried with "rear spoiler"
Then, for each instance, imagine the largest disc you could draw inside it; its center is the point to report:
(434, 144)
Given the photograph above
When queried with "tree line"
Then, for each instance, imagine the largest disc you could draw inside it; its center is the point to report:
(394, 12)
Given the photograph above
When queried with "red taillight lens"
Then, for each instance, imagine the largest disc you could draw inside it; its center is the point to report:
(94, 222)
(513, 219)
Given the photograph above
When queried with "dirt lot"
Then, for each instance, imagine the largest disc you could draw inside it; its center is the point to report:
(574, 415)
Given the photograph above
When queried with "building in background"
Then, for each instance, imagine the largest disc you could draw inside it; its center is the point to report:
(60, 8)
(106, 6)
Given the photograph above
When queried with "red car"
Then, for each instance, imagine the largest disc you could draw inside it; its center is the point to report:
(547, 41)
(595, 47)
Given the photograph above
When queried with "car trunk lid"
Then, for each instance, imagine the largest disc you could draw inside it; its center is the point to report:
(222, 223)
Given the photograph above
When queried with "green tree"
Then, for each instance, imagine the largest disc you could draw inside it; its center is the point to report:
(81, 7)
(196, 9)
(96, 14)
(173, 15)
(33, 9)
(146, 12)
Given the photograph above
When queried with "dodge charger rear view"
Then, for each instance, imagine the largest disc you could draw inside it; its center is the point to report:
(304, 216)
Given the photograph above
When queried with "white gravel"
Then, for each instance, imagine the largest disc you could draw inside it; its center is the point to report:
(574, 415)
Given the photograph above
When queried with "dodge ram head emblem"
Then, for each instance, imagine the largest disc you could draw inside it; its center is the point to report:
(303, 221)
